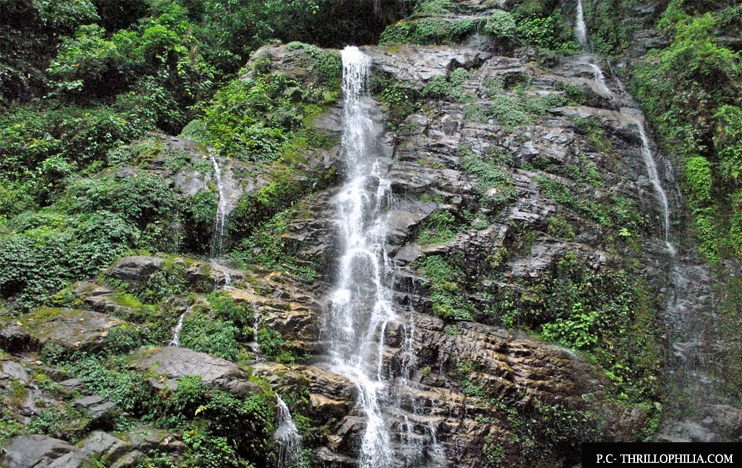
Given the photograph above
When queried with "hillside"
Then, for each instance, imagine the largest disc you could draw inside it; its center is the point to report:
(478, 239)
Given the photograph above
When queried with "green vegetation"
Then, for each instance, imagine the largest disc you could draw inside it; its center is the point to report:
(217, 428)
(447, 296)
(89, 90)
(440, 227)
(426, 31)
(532, 22)
(61, 223)
(252, 119)
(691, 92)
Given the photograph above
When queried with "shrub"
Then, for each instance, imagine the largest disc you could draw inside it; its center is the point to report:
(448, 301)
(728, 142)
(493, 183)
(141, 199)
(577, 330)
(439, 227)
(116, 383)
(427, 31)
(253, 119)
(699, 179)
(43, 146)
(41, 260)
(500, 25)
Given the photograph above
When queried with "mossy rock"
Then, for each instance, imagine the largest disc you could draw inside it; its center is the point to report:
(70, 329)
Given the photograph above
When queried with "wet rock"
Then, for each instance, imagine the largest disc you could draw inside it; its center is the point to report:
(99, 298)
(13, 339)
(329, 458)
(727, 420)
(149, 439)
(421, 63)
(129, 460)
(102, 413)
(89, 401)
(14, 370)
(71, 385)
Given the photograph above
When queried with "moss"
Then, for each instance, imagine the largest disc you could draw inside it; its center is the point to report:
(448, 299)
(127, 300)
(45, 314)
(425, 31)
(438, 228)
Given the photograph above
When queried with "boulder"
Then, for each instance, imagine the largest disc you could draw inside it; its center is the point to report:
(104, 446)
(135, 270)
(70, 328)
(33, 451)
(174, 363)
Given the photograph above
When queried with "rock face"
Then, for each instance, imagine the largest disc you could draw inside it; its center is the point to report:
(69, 328)
(174, 363)
(38, 450)
(523, 227)
(450, 382)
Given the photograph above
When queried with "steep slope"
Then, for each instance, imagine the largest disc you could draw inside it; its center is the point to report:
(532, 274)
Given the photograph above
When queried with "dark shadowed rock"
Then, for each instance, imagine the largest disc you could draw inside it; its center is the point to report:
(135, 269)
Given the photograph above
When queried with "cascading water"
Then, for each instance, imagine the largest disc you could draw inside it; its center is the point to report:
(287, 437)
(255, 327)
(175, 341)
(600, 79)
(647, 155)
(361, 302)
(217, 243)
(580, 28)
(695, 395)
(656, 183)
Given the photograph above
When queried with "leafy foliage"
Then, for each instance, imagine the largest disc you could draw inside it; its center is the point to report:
(40, 260)
(500, 25)
(426, 31)
(439, 227)
(691, 90)
(253, 118)
(493, 182)
(43, 146)
(448, 300)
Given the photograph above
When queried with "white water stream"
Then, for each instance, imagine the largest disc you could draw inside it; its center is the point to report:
(654, 177)
(175, 341)
(287, 438)
(222, 210)
(695, 397)
(580, 28)
(361, 302)
(635, 115)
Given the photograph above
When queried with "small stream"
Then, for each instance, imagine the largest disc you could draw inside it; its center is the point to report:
(696, 407)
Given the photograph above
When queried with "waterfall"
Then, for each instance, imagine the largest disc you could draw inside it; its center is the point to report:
(255, 326)
(647, 155)
(220, 221)
(287, 438)
(175, 341)
(689, 315)
(656, 183)
(600, 79)
(580, 28)
(361, 302)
